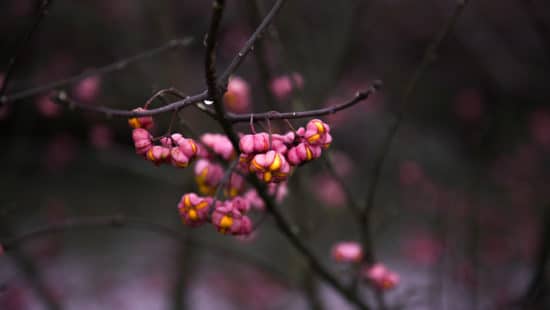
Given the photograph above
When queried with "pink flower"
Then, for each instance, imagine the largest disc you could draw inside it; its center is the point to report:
(188, 146)
(228, 219)
(235, 185)
(145, 122)
(303, 153)
(237, 97)
(270, 167)
(158, 154)
(208, 175)
(194, 209)
(254, 144)
(178, 158)
(347, 252)
(220, 144)
(87, 89)
(283, 86)
(142, 140)
(101, 137)
(47, 108)
(254, 200)
(381, 277)
(317, 132)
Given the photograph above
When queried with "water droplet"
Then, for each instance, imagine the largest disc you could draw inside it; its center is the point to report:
(208, 102)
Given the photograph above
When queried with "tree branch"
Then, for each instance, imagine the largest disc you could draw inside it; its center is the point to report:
(43, 11)
(116, 66)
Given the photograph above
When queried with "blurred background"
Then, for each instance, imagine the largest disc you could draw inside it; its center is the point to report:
(460, 207)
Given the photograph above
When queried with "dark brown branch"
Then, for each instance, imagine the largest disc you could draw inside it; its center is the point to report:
(429, 57)
(43, 11)
(256, 117)
(116, 66)
(249, 45)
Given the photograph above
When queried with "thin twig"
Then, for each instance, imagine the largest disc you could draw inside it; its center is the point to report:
(116, 66)
(43, 11)
(360, 96)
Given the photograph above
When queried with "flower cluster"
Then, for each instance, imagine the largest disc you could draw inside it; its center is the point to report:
(174, 149)
(272, 156)
(377, 274)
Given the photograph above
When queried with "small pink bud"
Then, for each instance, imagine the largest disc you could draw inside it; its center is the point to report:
(302, 153)
(282, 86)
(158, 154)
(208, 175)
(347, 252)
(228, 219)
(237, 97)
(381, 277)
(47, 108)
(101, 137)
(142, 140)
(194, 209)
(220, 144)
(178, 158)
(142, 121)
(270, 167)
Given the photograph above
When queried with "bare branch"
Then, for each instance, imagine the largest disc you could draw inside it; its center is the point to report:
(43, 11)
(116, 66)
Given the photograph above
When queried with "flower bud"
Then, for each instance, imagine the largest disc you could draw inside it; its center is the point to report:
(194, 209)
(145, 122)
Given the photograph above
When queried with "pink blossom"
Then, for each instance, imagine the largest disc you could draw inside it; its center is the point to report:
(283, 86)
(101, 137)
(270, 167)
(328, 190)
(303, 153)
(237, 97)
(347, 252)
(194, 209)
(220, 144)
(254, 200)
(188, 146)
(158, 154)
(47, 108)
(87, 89)
(228, 219)
(316, 132)
(178, 158)
(255, 143)
(381, 277)
(208, 175)
(142, 140)
(235, 185)
(145, 122)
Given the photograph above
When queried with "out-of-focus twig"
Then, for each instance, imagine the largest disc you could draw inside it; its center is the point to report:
(22, 45)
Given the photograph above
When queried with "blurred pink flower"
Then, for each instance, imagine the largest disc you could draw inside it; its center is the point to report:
(208, 175)
(60, 151)
(468, 105)
(328, 190)
(347, 252)
(142, 140)
(237, 97)
(381, 277)
(87, 90)
(410, 173)
(158, 154)
(219, 143)
(194, 209)
(101, 137)
(539, 125)
(229, 220)
(422, 248)
(283, 86)
(46, 107)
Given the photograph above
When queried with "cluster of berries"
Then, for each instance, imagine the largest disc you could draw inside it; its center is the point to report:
(272, 156)
(175, 149)
(377, 274)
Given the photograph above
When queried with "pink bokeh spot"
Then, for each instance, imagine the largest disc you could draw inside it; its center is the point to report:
(60, 152)
(328, 191)
(468, 105)
(410, 173)
(87, 90)
(47, 108)
(539, 125)
(283, 86)
(101, 137)
(422, 248)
